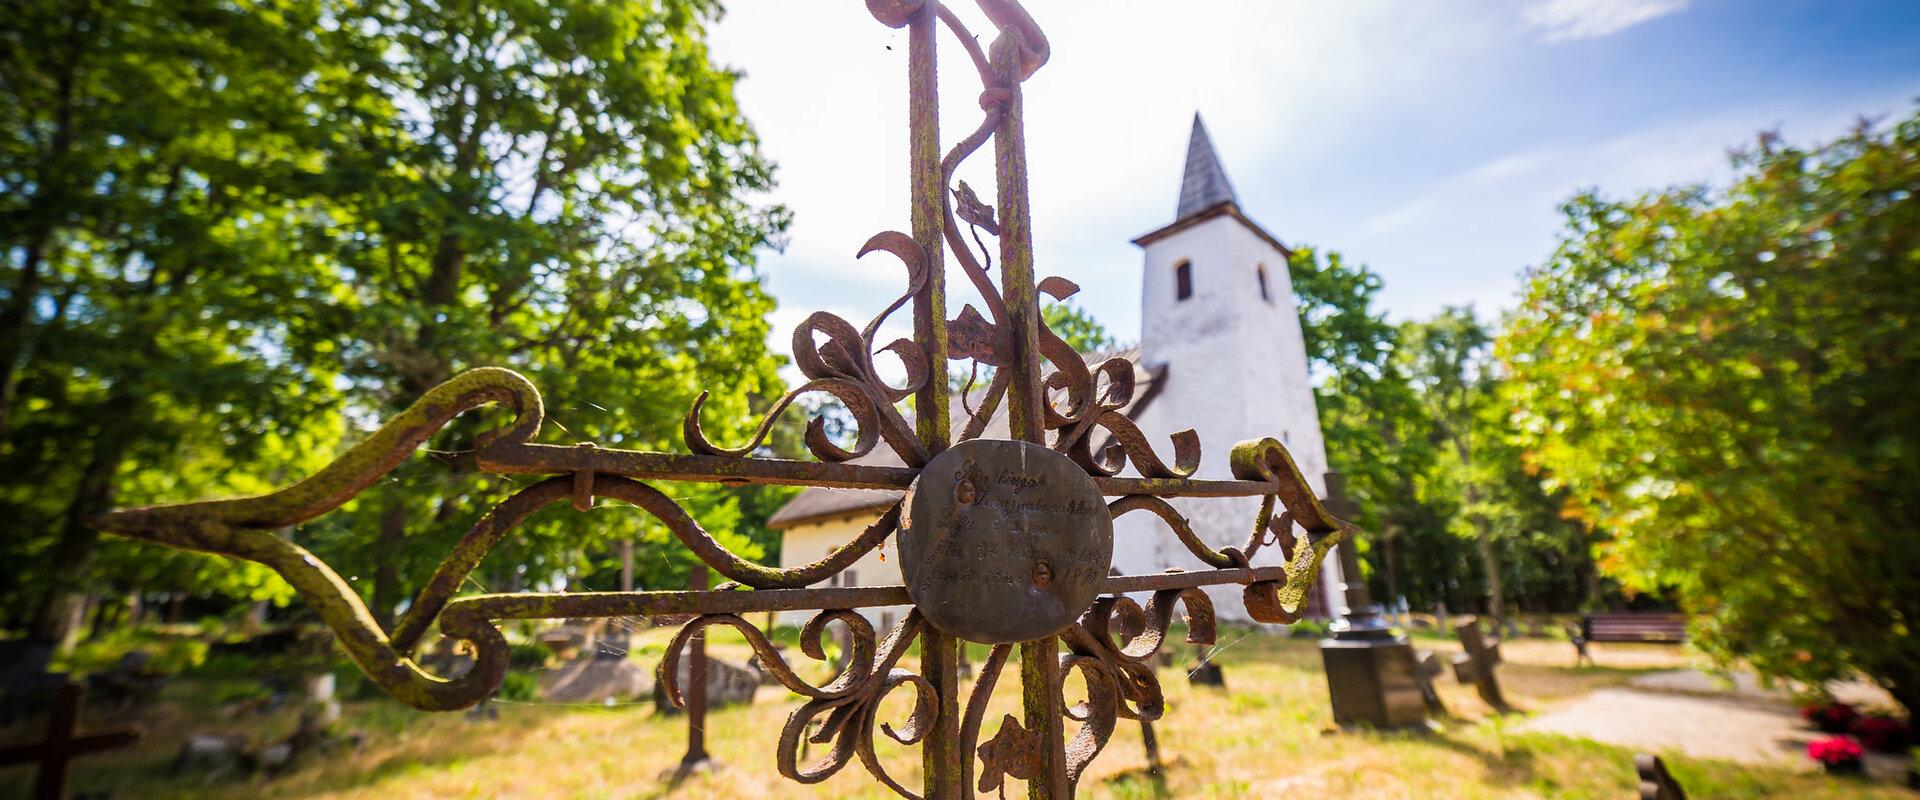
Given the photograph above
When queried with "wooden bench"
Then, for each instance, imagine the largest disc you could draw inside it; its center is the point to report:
(1625, 626)
(1634, 626)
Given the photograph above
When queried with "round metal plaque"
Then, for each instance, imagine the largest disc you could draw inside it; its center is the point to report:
(1004, 541)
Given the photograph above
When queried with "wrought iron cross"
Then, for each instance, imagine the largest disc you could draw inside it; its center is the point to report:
(1007, 542)
(63, 744)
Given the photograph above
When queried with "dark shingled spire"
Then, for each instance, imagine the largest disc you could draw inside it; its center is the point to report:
(1205, 183)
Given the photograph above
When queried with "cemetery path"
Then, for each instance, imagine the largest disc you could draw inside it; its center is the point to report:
(1687, 711)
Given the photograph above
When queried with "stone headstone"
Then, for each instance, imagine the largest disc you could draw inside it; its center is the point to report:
(728, 684)
(25, 682)
(1426, 669)
(321, 702)
(596, 678)
(131, 683)
(1476, 664)
(214, 753)
(1205, 672)
(1655, 782)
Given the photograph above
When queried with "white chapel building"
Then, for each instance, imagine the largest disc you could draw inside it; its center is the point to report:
(1220, 351)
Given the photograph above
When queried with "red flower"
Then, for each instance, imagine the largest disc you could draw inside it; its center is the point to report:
(1834, 750)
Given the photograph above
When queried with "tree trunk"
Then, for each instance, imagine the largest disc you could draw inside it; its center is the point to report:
(1592, 573)
(16, 325)
(1489, 563)
(386, 576)
(1390, 535)
(54, 620)
(103, 607)
(1496, 590)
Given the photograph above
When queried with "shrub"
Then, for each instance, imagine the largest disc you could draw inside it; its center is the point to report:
(1831, 717)
(519, 686)
(1881, 733)
(167, 654)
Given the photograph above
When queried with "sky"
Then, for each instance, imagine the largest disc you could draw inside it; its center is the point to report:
(1431, 141)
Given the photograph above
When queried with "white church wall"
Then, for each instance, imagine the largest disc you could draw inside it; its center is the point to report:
(1236, 371)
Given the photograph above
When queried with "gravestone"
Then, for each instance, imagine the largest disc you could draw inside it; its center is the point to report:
(728, 683)
(62, 744)
(321, 699)
(694, 674)
(1655, 782)
(1373, 677)
(1578, 639)
(1476, 664)
(1151, 742)
(1427, 669)
(25, 679)
(131, 683)
(1204, 671)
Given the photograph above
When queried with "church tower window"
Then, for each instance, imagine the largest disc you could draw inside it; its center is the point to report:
(1183, 280)
(1264, 295)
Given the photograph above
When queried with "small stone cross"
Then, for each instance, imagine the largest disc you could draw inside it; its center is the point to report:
(62, 744)
(1476, 665)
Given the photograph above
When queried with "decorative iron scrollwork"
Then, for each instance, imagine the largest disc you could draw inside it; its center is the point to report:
(1108, 647)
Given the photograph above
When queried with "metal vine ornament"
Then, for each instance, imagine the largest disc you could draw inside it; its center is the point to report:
(1006, 542)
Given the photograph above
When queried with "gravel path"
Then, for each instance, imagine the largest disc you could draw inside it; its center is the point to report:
(1688, 712)
(1730, 728)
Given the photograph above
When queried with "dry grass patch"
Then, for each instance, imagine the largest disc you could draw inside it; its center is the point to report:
(1268, 734)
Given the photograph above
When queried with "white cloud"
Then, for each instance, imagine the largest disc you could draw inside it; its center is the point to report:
(1570, 20)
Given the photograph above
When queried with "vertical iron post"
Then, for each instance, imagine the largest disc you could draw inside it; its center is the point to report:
(1039, 659)
(940, 754)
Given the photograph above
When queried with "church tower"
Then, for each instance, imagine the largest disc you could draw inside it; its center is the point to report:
(1220, 327)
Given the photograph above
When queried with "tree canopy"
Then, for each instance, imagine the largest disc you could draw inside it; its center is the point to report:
(1724, 380)
(237, 235)
(1410, 416)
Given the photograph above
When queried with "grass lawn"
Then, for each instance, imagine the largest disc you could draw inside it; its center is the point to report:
(1269, 734)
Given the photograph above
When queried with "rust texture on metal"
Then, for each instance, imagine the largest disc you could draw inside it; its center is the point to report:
(963, 533)
(1004, 541)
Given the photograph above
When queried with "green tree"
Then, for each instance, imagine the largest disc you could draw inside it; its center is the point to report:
(1448, 360)
(160, 172)
(1369, 416)
(237, 235)
(1077, 327)
(1724, 380)
(1397, 404)
(561, 188)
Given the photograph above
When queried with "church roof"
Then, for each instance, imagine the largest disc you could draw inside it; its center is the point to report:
(1204, 185)
(822, 503)
(1205, 193)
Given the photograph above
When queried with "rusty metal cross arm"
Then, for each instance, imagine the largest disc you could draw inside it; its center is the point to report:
(989, 530)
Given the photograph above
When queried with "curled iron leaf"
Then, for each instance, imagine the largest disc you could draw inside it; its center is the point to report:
(975, 211)
(852, 717)
(971, 336)
(1182, 529)
(1097, 714)
(856, 666)
(1013, 752)
(866, 417)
